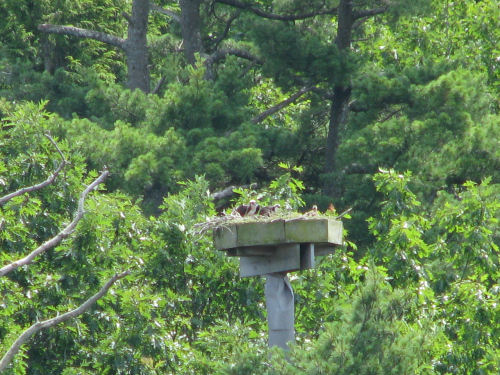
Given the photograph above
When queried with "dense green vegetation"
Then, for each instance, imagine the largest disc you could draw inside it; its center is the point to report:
(391, 108)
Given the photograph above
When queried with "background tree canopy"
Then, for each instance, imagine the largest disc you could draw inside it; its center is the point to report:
(388, 108)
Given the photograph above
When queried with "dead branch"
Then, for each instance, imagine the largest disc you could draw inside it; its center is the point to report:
(83, 33)
(47, 182)
(278, 107)
(273, 16)
(229, 191)
(158, 85)
(175, 16)
(54, 241)
(25, 336)
(225, 193)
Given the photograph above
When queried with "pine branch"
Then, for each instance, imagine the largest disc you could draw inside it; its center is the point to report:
(83, 33)
(281, 105)
(35, 328)
(54, 241)
(41, 185)
(273, 16)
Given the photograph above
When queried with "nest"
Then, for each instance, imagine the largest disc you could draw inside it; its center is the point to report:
(216, 222)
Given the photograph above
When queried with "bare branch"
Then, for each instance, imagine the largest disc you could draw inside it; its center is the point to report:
(229, 191)
(281, 105)
(158, 85)
(225, 193)
(25, 336)
(54, 241)
(273, 16)
(343, 213)
(83, 33)
(175, 16)
(41, 185)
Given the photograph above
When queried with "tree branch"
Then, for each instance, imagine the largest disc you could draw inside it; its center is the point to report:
(228, 192)
(158, 85)
(225, 193)
(54, 241)
(175, 16)
(47, 182)
(222, 53)
(35, 328)
(224, 34)
(273, 16)
(83, 33)
(281, 105)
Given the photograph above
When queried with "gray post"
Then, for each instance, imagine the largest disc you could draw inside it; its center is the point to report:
(280, 310)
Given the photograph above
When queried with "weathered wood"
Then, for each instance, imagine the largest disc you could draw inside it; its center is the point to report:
(280, 310)
(285, 258)
(314, 231)
(252, 251)
(239, 235)
(306, 256)
(261, 233)
(226, 237)
(278, 246)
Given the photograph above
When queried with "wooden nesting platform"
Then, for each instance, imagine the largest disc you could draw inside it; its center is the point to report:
(278, 245)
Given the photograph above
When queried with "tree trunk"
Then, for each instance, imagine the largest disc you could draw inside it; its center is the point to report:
(136, 46)
(47, 48)
(341, 96)
(191, 29)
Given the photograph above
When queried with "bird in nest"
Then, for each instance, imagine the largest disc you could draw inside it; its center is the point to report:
(312, 212)
(243, 210)
(268, 210)
(253, 208)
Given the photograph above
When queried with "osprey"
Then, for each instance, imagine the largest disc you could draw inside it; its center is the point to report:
(246, 209)
(313, 212)
(268, 210)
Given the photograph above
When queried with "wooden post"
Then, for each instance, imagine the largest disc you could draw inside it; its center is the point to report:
(280, 310)
(272, 249)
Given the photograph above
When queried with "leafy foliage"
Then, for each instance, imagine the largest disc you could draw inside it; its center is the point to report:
(419, 269)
